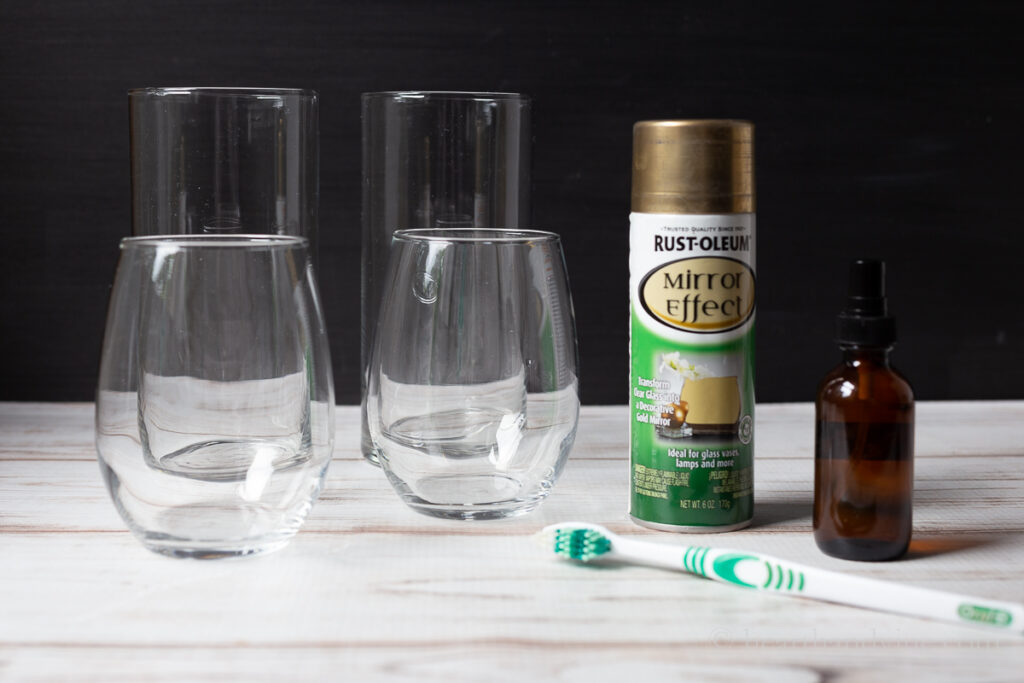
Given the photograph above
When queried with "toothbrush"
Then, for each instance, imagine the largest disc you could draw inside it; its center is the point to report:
(586, 542)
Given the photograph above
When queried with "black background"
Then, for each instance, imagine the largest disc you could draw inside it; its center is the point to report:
(887, 129)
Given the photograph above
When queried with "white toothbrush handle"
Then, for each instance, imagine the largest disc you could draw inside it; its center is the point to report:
(762, 572)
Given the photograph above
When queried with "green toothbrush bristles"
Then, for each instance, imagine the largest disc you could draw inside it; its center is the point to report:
(581, 544)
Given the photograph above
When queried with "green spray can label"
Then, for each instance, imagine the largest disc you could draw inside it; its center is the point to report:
(693, 292)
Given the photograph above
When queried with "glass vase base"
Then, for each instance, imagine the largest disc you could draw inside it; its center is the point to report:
(205, 550)
(467, 513)
(496, 497)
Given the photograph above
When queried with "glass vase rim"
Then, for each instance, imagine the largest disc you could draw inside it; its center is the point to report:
(234, 241)
(463, 95)
(221, 91)
(475, 235)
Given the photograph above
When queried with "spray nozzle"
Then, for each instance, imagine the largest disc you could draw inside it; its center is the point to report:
(867, 288)
(865, 321)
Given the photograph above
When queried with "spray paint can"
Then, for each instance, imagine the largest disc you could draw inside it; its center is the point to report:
(692, 292)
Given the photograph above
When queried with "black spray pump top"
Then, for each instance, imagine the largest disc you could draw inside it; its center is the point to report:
(866, 322)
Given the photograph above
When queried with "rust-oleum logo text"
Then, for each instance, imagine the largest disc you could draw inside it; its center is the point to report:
(704, 294)
(707, 243)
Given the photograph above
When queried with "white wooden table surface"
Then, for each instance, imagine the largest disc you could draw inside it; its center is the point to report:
(370, 590)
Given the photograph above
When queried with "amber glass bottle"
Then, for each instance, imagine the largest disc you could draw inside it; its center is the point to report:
(864, 436)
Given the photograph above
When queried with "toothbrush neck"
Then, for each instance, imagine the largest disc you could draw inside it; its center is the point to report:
(651, 554)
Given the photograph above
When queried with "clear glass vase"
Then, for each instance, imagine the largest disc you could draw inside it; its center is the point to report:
(224, 161)
(437, 160)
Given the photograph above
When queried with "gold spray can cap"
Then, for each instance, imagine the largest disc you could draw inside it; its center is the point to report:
(696, 166)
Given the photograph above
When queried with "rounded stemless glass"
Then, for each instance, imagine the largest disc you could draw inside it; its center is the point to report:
(473, 395)
(215, 406)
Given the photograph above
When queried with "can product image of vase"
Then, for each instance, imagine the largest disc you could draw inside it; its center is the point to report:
(692, 299)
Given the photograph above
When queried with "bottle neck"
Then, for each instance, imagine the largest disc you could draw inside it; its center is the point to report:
(866, 355)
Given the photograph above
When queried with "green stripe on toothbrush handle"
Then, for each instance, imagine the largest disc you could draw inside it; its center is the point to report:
(693, 559)
(724, 568)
